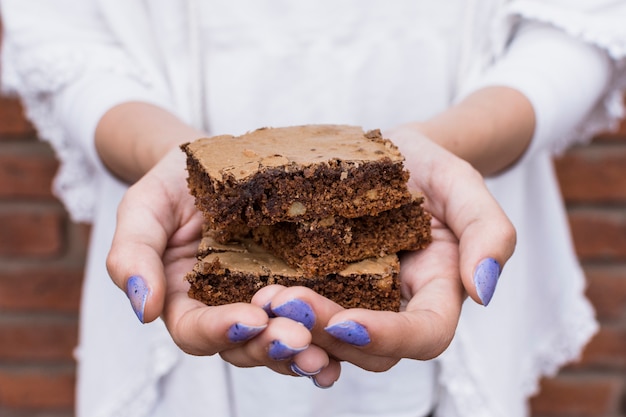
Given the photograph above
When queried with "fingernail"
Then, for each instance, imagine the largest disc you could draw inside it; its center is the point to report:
(240, 332)
(486, 278)
(317, 384)
(296, 370)
(350, 332)
(297, 310)
(311, 375)
(279, 351)
(137, 292)
(268, 310)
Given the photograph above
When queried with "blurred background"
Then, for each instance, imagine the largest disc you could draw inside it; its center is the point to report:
(42, 255)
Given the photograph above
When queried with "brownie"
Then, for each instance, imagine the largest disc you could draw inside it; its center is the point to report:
(325, 245)
(234, 272)
(294, 174)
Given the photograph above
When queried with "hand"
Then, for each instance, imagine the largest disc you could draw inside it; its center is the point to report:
(154, 246)
(472, 240)
(376, 340)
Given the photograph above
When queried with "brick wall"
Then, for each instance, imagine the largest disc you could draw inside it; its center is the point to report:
(41, 261)
(42, 257)
(593, 181)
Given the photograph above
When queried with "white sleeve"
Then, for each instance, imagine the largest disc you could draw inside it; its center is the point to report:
(569, 58)
(563, 78)
(69, 69)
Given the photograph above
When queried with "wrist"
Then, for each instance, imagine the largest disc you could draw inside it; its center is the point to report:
(490, 128)
(132, 137)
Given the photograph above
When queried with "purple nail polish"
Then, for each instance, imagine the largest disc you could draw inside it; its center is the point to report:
(240, 332)
(486, 278)
(296, 370)
(137, 292)
(350, 332)
(311, 375)
(279, 351)
(297, 310)
(317, 384)
(267, 307)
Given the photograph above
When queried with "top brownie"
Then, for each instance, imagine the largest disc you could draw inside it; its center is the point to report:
(294, 174)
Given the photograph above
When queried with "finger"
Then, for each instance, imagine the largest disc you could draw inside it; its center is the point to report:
(427, 325)
(486, 236)
(134, 260)
(275, 350)
(201, 330)
(456, 194)
(276, 347)
(327, 377)
(155, 214)
(423, 331)
(313, 311)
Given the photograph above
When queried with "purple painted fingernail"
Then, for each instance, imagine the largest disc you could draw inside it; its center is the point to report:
(297, 310)
(297, 370)
(267, 307)
(486, 278)
(311, 375)
(240, 332)
(137, 292)
(279, 351)
(350, 332)
(317, 384)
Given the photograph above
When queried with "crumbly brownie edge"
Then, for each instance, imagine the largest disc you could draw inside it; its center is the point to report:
(319, 249)
(212, 284)
(293, 193)
(204, 189)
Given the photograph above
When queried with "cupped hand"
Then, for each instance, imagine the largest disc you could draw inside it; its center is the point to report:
(376, 340)
(156, 239)
(472, 240)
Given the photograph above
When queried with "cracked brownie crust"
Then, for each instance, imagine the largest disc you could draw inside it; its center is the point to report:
(294, 174)
(322, 206)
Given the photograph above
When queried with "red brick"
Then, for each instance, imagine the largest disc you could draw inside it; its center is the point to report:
(607, 290)
(31, 231)
(599, 234)
(595, 174)
(78, 235)
(580, 396)
(607, 349)
(12, 120)
(27, 170)
(4, 412)
(40, 288)
(37, 339)
(37, 388)
(618, 135)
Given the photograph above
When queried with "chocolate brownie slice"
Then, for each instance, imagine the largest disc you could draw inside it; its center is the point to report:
(234, 272)
(325, 245)
(294, 174)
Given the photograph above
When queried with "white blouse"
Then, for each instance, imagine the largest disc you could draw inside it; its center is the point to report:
(366, 63)
(373, 63)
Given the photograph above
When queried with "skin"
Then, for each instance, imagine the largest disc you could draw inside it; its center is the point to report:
(158, 232)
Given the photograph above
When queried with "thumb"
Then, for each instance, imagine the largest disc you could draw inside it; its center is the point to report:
(456, 195)
(135, 261)
(486, 236)
(487, 241)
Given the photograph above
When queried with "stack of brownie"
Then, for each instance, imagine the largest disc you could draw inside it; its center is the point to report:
(322, 206)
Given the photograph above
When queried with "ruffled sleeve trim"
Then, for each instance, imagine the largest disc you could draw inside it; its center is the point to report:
(65, 93)
(598, 23)
(564, 346)
(136, 398)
